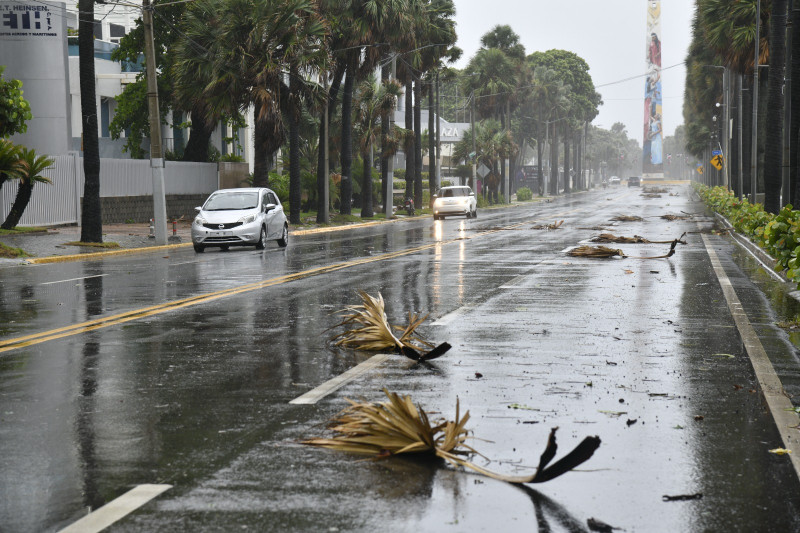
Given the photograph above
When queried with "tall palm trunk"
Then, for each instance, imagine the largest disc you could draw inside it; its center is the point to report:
(432, 162)
(795, 102)
(260, 157)
(418, 144)
(384, 135)
(200, 134)
(20, 203)
(347, 141)
(567, 176)
(554, 161)
(539, 172)
(91, 216)
(773, 163)
(332, 95)
(410, 151)
(366, 185)
(295, 186)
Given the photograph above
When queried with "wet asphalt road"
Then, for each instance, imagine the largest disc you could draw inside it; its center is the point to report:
(178, 368)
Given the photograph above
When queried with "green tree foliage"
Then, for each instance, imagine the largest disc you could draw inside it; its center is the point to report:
(132, 116)
(15, 111)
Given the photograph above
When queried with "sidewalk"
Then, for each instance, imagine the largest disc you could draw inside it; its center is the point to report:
(53, 242)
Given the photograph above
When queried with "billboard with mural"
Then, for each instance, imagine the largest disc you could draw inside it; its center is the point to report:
(653, 147)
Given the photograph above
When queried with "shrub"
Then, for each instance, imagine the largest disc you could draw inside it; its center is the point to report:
(524, 194)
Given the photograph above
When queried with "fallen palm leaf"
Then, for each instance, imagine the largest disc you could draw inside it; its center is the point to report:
(397, 426)
(636, 239)
(651, 195)
(369, 330)
(609, 237)
(595, 251)
(554, 225)
(676, 217)
(604, 252)
(627, 218)
(654, 190)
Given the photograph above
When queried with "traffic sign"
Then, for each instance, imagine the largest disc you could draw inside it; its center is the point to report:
(700, 169)
(717, 161)
(716, 152)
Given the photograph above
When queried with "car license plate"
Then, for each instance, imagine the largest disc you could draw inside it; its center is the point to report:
(221, 233)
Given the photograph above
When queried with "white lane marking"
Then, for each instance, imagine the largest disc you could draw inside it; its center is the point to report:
(189, 262)
(779, 405)
(116, 509)
(315, 395)
(449, 317)
(73, 279)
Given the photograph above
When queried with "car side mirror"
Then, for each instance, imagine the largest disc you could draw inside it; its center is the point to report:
(269, 207)
(435, 196)
(472, 194)
(198, 209)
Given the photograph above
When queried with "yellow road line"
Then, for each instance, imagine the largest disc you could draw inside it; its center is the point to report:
(91, 325)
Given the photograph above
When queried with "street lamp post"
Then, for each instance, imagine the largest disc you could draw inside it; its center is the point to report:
(754, 136)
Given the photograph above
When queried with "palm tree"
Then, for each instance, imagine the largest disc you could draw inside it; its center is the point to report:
(373, 101)
(30, 173)
(91, 215)
(10, 161)
(361, 23)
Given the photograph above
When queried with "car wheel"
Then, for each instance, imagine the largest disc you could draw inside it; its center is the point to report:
(262, 239)
(199, 248)
(284, 240)
(475, 213)
(224, 247)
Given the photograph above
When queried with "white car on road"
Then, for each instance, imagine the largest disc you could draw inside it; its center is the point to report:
(455, 200)
(240, 217)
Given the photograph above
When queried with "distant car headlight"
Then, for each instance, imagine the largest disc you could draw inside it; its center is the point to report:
(247, 219)
(438, 201)
(199, 220)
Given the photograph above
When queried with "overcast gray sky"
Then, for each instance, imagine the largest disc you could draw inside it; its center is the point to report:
(610, 35)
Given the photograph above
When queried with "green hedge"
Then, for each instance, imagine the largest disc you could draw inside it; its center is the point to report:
(778, 234)
(524, 194)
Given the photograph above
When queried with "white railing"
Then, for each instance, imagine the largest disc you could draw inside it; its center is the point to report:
(60, 203)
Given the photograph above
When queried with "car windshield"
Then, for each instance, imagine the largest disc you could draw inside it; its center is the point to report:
(232, 201)
(450, 193)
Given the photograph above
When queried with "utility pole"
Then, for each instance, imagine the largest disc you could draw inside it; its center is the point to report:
(740, 157)
(754, 136)
(156, 156)
(474, 150)
(326, 193)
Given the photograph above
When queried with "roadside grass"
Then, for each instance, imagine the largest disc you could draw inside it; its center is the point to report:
(18, 230)
(9, 252)
(106, 245)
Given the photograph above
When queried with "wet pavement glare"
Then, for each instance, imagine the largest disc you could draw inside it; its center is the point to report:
(642, 353)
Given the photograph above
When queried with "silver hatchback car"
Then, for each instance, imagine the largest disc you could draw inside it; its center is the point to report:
(240, 217)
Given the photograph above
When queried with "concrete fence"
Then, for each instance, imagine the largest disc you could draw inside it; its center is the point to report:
(126, 191)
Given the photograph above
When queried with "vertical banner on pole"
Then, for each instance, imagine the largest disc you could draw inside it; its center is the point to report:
(653, 145)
